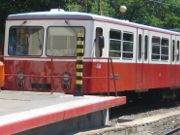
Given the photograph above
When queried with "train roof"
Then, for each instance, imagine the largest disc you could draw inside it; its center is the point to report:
(61, 14)
(53, 14)
(177, 30)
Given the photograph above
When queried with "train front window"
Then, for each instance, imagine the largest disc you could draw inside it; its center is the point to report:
(25, 41)
(61, 41)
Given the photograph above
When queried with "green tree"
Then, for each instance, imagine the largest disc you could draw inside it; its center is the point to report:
(164, 14)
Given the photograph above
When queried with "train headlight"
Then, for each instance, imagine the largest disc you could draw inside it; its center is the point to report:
(66, 81)
(66, 77)
(20, 75)
(20, 78)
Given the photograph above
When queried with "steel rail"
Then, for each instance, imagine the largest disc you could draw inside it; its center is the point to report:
(172, 131)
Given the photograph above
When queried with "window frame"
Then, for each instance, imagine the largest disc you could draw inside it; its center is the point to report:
(161, 46)
(173, 50)
(131, 42)
(118, 40)
(76, 44)
(146, 47)
(156, 45)
(165, 46)
(140, 46)
(178, 49)
(98, 51)
(132, 32)
(43, 40)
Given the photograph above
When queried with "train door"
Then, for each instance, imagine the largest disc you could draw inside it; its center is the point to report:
(98, 48)
(173, 60)
(145, 59)
(142, 59)
(139, 65)
(177, 61)
(98, 66)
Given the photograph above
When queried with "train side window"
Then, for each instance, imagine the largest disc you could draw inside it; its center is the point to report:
(164, 49)
(173, 50)
(178, 51)
(146, 48)
(140, 47)
(128, 39)
(98, 48)
(155, 48)
(115, 43)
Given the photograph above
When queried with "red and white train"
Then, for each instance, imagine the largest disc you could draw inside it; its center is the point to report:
(119, 56)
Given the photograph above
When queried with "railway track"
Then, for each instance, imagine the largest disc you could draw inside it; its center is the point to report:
(141, 109)
(142, 119)
(173, 131)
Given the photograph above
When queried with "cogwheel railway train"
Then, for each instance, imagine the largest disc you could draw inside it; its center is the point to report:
(64, 51)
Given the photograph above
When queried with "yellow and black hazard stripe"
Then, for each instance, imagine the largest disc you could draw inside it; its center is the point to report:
(79, 63)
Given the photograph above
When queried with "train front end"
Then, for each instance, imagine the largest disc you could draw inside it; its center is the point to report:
(41, 52)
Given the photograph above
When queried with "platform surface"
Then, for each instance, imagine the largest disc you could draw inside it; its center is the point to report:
(20, 111)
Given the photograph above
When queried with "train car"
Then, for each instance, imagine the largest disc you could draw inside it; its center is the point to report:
(41, 53)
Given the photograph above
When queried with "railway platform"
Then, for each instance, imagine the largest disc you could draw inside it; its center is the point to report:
(44, 113)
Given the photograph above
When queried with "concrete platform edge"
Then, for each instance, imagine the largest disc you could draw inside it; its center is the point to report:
(58, 116)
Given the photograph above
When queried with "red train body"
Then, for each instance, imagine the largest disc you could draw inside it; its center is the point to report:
(133, 57)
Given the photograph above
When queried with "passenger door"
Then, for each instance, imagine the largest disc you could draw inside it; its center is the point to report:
(173, 60)
(142, 73)
(177, 64)
(140, 59)
(146, 80)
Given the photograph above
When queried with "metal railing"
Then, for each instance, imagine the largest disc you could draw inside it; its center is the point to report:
(109, 75)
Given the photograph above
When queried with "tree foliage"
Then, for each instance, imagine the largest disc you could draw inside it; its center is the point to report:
(165, 13)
